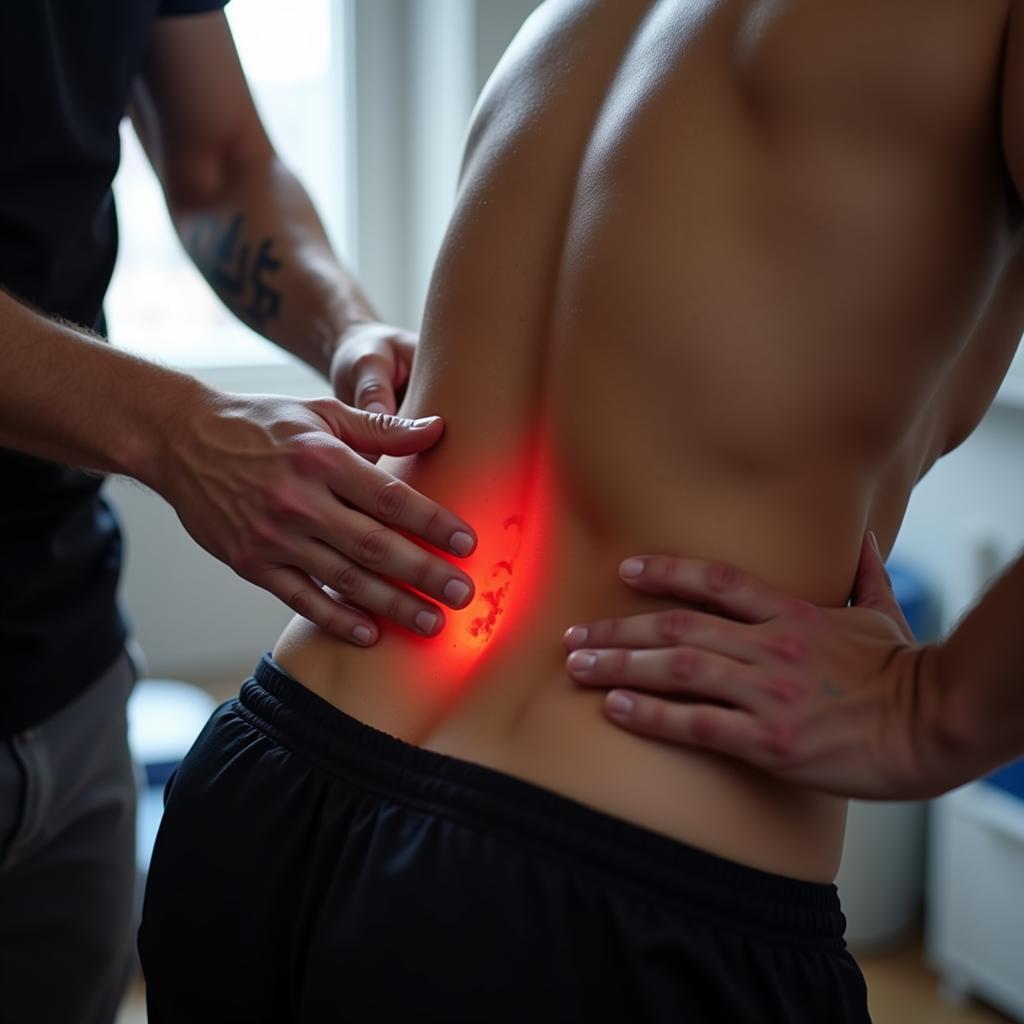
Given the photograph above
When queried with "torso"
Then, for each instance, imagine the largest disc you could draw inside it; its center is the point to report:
(723, 281)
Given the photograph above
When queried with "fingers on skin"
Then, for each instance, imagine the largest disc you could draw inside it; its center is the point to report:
(355, 585)
(872, 587)
(307, 599)
(368, 549)
(682, 672)
(717, 584)
(723, 730)
(669, 629)
(393, 502)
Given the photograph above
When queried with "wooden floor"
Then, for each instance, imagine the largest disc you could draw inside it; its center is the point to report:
(901, 990)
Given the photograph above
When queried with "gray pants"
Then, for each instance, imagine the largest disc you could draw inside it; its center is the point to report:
(67, 860)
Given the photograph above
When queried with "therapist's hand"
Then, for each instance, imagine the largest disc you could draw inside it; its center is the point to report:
(371, 366)
(275, 488)
(838, 699)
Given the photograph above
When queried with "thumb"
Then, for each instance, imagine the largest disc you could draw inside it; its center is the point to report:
(376, 433)
(872, 587)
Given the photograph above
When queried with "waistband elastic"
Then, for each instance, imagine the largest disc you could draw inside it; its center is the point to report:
(748, 898)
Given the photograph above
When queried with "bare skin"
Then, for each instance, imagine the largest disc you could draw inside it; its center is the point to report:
(818, 696)
(275, 487)
(724, 278)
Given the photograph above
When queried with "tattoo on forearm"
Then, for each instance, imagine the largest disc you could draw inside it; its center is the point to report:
(237, 269)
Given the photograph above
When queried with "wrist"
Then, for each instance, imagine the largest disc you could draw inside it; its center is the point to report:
(959, 733)
(167, 414)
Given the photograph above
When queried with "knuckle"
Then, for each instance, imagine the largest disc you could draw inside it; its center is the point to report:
(372, 547)
(609, 630)
(334, 620)
(780, 743)
(370, 389)
(421, 575)
(782, 688)
(320, 405)
(309, 461)
(675, 624)
(262, 534)
(804, 611)
(662, 568)
(285, 506)
(346, 581)
(787, 648)
(393, 608)
(390, 501)
(654, 715)
(301, 602)
(618, 662)
(704, 728)
(433, 525)
(367, 361)
(683, 664)
(384, 424)
(721, 576)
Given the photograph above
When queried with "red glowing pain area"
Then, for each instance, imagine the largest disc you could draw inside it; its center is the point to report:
(493, 591)
(510, 511)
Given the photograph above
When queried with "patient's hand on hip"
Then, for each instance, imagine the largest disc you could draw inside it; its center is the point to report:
(834, 698)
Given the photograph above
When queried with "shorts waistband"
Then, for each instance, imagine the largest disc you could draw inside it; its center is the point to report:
(776, 906)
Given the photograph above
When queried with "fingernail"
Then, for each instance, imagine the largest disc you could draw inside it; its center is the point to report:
(377, 407)
(631, 567)
(426, 623)
(422, 424)
(619, 704)
(576, 636)
(456, 593)
(362, 634)
(874, 542)
(582, 661)
(461, 542)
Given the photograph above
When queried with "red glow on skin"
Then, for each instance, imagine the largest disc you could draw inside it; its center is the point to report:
(510, 509)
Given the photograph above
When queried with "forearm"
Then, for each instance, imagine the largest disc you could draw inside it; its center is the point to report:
(67, 397)
(258, 241)
(979, 675)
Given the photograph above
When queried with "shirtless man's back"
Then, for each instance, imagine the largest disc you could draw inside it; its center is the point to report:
(724, 279)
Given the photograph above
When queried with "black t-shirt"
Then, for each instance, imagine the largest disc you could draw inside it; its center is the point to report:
(65, 75)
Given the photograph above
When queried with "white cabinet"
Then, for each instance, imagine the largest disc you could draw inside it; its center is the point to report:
(975, 920)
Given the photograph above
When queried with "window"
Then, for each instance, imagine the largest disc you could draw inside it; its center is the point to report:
(158, 303)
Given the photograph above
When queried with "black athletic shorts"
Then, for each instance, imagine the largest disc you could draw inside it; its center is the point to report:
(310, 868)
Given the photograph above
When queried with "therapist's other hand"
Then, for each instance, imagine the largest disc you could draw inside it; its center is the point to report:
(371, 366)
(840, 699)
(275, 488)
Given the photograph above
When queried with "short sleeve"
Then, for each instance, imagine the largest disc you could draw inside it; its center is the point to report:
(173, 8)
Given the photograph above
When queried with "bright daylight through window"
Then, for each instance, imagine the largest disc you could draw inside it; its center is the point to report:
(158, 304)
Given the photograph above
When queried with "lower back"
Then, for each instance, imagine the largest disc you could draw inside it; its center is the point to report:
(492, 688)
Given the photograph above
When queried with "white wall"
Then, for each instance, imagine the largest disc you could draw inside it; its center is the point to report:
(415, 71)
